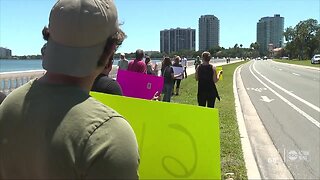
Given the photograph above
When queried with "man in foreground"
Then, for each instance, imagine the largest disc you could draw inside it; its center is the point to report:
(50, 127)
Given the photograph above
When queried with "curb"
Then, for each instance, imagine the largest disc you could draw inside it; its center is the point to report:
(269, 163)
(250, 162)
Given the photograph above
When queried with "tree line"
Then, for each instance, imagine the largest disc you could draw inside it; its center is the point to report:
(302, 42)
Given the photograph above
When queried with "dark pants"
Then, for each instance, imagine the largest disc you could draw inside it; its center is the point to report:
(185, 72)
(206, 99)
(178, 83)
(167, 89)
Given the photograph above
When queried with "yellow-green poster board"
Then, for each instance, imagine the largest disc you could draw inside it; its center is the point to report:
(176, 141)
(219, 68)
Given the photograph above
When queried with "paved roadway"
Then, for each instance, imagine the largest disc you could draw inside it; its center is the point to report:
(287, 100)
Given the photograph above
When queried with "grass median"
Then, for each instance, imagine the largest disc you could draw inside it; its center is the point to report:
(231, 153)
(298, 62)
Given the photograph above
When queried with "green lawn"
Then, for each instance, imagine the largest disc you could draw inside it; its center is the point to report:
(298, 62)
(231, 153)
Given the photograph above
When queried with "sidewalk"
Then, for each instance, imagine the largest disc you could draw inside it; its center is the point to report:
(191, 69)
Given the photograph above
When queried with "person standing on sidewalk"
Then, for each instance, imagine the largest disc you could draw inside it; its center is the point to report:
(184, 63)
(123, 62)
(207, 76)
(177, 79)
(197, 62)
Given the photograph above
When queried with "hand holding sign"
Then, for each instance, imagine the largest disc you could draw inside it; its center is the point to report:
(219, 69)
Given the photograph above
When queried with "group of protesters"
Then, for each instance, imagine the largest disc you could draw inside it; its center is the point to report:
(143, 64)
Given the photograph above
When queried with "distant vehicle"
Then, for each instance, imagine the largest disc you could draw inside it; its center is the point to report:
(258, 58)
(265, 58)
(315, 59)
(284, 57)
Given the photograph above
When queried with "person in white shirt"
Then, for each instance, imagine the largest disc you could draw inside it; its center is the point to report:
(123, 62)
(184, 63)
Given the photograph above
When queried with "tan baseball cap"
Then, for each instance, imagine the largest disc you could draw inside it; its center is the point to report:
(79, 30)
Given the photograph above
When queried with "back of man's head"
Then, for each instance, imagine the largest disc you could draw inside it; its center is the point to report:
(139, 54)
(79, 30)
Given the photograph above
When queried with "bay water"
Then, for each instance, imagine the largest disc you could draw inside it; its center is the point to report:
(10, 65)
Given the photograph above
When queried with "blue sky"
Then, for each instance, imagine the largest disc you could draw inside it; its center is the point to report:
(21, 21)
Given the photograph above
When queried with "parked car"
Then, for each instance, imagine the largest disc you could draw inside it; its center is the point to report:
(258, 58)
(265, 58)
(315, 59)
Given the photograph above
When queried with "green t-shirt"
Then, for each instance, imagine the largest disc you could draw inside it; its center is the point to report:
(57, 131)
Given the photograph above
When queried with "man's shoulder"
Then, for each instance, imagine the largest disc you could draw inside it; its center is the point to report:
(92, 114)
(142, 63)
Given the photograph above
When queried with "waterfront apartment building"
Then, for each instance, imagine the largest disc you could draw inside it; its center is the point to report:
(270, 33)
(173, 40)
(209, 32)
(5, 53)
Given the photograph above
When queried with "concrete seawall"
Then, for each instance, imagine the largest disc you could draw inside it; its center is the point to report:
(12, 80)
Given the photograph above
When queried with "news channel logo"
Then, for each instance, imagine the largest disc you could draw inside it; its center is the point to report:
(294, 155)
(291, 156)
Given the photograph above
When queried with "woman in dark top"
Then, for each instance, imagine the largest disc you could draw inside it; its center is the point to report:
(167, 73)
(207, 76)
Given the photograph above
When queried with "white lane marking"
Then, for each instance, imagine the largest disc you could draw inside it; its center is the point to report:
(313, 121)
(266, 99)
(257, 89)
(288, 92)
(296, 74)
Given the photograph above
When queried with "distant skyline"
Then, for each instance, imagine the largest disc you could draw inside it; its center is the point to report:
(21, 21)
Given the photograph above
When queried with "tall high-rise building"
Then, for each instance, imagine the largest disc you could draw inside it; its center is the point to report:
(209, 31)
(5, 53)
(174, 40)
(270, 32)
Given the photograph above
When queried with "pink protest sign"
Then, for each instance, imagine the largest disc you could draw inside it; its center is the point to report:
(139, 85)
